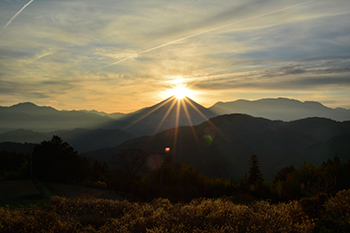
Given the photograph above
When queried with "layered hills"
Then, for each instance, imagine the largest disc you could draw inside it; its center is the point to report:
(223, 145)
(80, 139)
(217, 140)
(164, 115)
(44, 119)
(167, 114)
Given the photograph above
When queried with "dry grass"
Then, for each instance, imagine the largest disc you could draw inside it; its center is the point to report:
(201, 215)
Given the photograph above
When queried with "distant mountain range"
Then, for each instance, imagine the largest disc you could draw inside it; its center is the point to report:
(147, 121)
(281, 109)
(161, 116)
(44, 119)
(217, 145)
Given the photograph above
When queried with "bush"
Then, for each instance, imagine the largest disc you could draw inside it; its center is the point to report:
(336, 217)
(160, 215)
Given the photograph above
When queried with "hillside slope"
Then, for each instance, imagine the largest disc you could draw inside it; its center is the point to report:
(223, 145)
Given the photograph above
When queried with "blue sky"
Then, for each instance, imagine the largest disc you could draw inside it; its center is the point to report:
(119, 56)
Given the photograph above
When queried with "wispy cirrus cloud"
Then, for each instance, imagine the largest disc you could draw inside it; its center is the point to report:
(129, 50)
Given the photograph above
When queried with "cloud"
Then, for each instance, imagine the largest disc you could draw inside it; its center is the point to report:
(66, 49)
(304, 75)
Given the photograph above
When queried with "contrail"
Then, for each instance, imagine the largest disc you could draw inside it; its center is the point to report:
(41, 56)
(207, 31)
(13, 17)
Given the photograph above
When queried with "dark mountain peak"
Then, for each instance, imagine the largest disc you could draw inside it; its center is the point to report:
(240, 119)
(25, 104)
(28, 106)
(166, 114)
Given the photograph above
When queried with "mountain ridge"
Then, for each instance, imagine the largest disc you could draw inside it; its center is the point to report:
(280, 109)
(169, 113)
(226, 142)
(150, 120)
(82, 140)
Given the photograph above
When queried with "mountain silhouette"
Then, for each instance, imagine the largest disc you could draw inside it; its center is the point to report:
(223, 145)
(281, 109)
(167, 114)
(44, 119)
(158, 117)
(81, 139)
(215, 145)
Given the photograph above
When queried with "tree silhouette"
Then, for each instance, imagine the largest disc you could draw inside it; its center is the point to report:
(131, 162)
(55, 161)
(255, 176)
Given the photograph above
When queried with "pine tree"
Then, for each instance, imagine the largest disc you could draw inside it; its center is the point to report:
(255, 175)
(55, 161)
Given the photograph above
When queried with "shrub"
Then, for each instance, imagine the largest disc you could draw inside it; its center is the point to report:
(160, 215)
(336, 217)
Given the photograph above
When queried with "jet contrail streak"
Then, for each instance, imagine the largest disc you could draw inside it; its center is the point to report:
(13, 17)
(41, 56)
(207, 31)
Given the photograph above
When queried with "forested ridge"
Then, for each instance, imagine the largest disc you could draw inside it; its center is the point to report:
(311, 190)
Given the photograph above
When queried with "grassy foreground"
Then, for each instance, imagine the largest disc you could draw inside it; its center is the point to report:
(160, 215)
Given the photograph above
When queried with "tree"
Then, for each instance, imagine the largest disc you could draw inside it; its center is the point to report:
(55, 161)
(14, 165)
(131, 162)
(255, 176)
(99, 171)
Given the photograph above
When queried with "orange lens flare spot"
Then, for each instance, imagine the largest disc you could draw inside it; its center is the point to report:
(167, 149)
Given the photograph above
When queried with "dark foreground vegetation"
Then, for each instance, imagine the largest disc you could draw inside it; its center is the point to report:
(167, 197)
(160, 215)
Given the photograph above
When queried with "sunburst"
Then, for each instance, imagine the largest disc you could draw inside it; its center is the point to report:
(181, 92)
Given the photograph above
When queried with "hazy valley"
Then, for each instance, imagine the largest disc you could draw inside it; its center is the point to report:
(216, 144)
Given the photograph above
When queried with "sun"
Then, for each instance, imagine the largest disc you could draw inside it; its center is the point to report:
(180, 92)
(178, 88)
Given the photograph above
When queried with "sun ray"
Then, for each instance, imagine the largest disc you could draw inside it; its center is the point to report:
(186, 111)
(165, 116)
(159, 106)
(197, 110)
(206, 118)
(176, 125)
(191, 124)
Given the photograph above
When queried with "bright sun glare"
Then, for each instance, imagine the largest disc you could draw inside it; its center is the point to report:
(180, 92)
(179, 88)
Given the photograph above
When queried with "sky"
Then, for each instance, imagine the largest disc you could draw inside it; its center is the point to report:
(123, 55)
